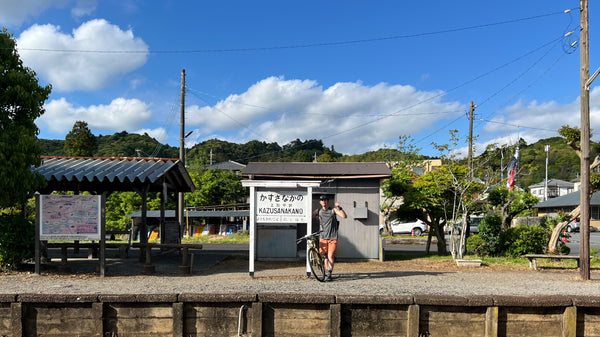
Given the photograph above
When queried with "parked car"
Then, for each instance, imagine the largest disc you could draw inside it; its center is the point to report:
(573, 226)
(416, 227)
(473, 228)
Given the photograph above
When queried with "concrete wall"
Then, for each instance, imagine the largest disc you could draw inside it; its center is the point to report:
(297, 315)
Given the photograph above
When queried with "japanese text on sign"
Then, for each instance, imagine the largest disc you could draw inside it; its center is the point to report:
(281, 206)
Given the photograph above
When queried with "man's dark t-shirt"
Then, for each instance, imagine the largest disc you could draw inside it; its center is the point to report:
(329, 223)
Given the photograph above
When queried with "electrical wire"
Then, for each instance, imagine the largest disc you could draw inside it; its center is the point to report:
(297, 46)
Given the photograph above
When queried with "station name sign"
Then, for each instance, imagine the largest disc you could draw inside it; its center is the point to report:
(282, 206)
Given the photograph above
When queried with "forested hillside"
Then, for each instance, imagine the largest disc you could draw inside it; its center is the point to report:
(563, 163)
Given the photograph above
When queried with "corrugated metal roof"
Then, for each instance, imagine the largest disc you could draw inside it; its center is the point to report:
(317, 170)
(113, 174)
(192, 214)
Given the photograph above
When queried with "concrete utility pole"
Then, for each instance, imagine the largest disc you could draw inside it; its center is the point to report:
(584, 250)
(181, 148)
(471, 113)
(547, 148)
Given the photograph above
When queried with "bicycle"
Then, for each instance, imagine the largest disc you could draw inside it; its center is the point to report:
(315, 258)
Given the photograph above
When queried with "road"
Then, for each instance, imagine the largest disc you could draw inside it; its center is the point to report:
(575, 242)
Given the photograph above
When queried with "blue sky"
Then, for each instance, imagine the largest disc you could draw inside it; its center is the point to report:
(356, 74)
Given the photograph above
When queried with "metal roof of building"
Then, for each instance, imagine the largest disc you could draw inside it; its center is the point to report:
(316, 170)
(192, 214)
(113, 174)
(571, 199)
(227, 165)
(554, 183)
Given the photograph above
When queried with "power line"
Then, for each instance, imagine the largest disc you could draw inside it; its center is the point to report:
(297, 46)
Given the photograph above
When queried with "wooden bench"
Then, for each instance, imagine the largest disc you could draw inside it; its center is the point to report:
(533, 258)
(184, 268)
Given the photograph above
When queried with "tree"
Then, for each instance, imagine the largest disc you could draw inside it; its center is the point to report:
(215, 187)
(572, 136)
(80, 142)
(509, 204)
(21, 102)
(402, 162)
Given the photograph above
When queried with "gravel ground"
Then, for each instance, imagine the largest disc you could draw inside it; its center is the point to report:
(222, 272)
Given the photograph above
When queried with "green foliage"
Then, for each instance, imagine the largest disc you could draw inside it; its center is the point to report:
(80, 142)
(123, 144)
(21, 103)
(17, 241)
(521, 240)
(476, 245)
(490, 229)
(215, 187)
(120, 204)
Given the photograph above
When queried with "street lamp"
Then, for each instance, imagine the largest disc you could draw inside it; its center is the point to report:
(547, 148)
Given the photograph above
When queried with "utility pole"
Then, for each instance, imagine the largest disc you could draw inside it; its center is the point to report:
(471, 111)
(181, 149)
(584, 245)
(547, 148)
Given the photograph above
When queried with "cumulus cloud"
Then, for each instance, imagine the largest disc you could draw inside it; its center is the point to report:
(348, 115)
(120, 114)
(160, 134)
(533, 121)
(79, 61)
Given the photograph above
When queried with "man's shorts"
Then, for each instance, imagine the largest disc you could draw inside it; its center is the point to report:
(327, 245)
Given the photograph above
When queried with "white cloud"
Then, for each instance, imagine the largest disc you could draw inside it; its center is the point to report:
(120, 114)
(79, 61)
(160, 134)
(349, 115)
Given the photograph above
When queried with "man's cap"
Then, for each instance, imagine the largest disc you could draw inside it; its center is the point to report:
(323, 197)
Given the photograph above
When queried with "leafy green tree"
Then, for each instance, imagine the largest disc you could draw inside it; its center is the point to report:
(510, 204)
(80, 142)
(21, 102)
(215, 187)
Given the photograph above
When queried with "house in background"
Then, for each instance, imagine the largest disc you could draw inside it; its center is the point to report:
(556, 188)
(566, 204)
(228, 165)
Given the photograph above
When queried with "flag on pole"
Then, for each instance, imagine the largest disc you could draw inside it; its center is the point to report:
(512, 171)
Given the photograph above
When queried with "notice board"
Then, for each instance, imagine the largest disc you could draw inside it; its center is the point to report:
(70, 217)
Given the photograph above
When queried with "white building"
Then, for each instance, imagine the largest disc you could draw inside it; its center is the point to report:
(556, 188)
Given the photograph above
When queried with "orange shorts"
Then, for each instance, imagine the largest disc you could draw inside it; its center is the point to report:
(327, 245)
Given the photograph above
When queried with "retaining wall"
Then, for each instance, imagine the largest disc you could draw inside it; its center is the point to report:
(297, 315)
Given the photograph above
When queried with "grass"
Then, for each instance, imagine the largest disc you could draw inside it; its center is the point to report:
(240, 238)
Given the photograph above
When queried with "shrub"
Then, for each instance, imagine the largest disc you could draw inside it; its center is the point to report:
(476, 245)
(17, 241)
(489, 230)
(520, 240)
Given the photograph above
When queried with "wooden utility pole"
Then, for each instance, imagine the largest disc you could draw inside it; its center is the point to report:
(471, 114)
(181, 149)
(584, 245)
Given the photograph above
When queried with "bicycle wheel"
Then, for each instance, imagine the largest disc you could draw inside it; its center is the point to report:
(316, 264)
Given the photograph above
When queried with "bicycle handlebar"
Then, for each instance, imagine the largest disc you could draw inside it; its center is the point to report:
(308, 236)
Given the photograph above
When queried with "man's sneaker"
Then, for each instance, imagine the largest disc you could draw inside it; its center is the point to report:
(327, 276)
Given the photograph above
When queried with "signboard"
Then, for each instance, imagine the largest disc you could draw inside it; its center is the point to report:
(281, 206)
(70, 217)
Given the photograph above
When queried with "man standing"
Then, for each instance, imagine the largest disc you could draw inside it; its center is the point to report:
(329, 231)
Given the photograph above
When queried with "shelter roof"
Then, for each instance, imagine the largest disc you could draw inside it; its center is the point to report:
(297, 170)
(113, 174)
